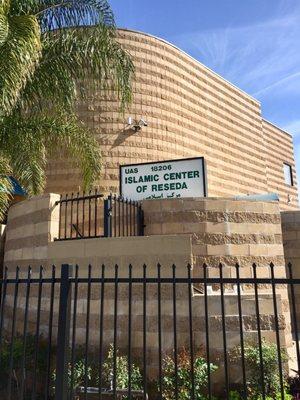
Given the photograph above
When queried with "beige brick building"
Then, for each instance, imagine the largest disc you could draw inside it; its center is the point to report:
(191, 111)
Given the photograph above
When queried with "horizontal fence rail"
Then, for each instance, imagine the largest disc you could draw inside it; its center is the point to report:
(148, 333)
(91, 215)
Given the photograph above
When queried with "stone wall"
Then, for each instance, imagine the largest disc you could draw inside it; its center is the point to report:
(291, 238)
(291, 242)
(222, 230)
(191, 111)
(33, 225)
(179, 231)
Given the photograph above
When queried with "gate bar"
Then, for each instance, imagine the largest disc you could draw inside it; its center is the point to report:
(63, 334)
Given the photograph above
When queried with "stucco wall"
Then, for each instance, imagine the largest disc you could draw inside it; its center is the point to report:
(191, 111)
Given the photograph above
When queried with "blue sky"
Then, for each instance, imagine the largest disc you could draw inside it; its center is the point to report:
(255, 44)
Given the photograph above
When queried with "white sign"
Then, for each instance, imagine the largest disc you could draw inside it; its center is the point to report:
(163, 180)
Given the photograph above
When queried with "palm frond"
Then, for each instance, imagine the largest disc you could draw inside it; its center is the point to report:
(78, 142)
(4, 6)
(21, 142)
(72, 55)
(58, 14)
(73, 13)
(20, 52)
(28, 141)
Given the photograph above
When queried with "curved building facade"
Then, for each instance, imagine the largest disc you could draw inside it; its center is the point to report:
(191, 111)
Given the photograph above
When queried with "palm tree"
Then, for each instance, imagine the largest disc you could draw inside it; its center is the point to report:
(47, 49)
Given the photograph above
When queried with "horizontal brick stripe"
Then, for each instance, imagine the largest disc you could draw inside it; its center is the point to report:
(208, 238)
(212, 216)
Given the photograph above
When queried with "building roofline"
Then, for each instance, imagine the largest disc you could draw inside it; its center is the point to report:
(191, 57)
(204, 66)
(278, 127)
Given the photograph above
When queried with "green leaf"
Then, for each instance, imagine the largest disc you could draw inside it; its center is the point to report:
(29, 141)
(20, 49)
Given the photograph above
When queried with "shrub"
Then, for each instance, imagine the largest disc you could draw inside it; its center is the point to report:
(122, 373)
(17, 352)
(78, 373)
(270, 367)
(122, 377)
(184, 377)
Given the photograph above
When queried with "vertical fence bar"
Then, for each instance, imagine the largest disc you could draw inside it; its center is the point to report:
(23, 362)
(130, 217)
(277, 331)
(141, 220)
(134, 218)
(224, 331)
(114, 381)
(294, 315)
(95, 211)
(66, 214)
(77, 215)
(261, 360)
(129, 330)
(13, 332)
(50, 328)
(190, 294)
(83, 215)
(71, 217)
(73, 345)
(63, 334)
(90, 212)
(119, 210)
(101, 327)
(207, 331)
(87, 332)
(115, 216)
(144, 331)
(37, 333)
(107, 217)
(175, 332)
(127, 217)
(110, 214)
(123, 216)
(160, 372)
(237, 267)
(59, 221)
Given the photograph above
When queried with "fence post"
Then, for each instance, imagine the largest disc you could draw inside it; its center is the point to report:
(141, 222)
(63, 334)
(107, 217)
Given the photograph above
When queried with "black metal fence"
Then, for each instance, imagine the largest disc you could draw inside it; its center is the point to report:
(152, 334)
(90, 215)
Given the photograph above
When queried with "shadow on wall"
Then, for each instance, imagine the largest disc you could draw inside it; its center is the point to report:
(123, 135)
